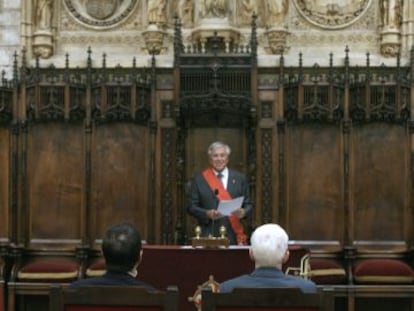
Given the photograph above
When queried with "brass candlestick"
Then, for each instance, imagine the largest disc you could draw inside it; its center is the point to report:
(197, 231)
(223, 232)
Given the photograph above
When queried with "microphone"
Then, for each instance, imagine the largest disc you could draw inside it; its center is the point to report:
(213, 222)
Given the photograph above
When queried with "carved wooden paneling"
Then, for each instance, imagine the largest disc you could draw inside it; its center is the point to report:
(267, 195)
(314, 183)
(5, 184)
(55, 182)
(94, 146)
(167, 185)
(7, 179)
(380, 182)
(119, 177)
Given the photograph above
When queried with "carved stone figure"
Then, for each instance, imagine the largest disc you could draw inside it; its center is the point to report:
(391, 13)
(213, 8)
(275, 12)
(157, 12)
(247, 9)
(44, 13)
(185, 11)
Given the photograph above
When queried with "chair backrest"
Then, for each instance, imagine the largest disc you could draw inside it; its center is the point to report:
(111, 298)
(263, 299)
(2, 301)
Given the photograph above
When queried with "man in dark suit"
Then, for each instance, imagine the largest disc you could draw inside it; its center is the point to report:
(122, 250)
(269, 250)
(216, 183)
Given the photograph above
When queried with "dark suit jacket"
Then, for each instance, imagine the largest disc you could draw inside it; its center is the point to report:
(112, 278)
(268, 277)
(203, 198)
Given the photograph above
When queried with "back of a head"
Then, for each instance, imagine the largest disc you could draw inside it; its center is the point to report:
(121, 247)
(269, 244)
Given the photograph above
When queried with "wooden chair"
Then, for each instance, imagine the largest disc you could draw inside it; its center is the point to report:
(265, 299)
(111, 298)
(2, 300)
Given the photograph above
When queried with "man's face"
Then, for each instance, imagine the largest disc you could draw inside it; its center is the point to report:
(219, 159)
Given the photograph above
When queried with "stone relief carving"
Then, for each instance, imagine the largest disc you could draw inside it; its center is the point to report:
(154, 35)
(157, 12)
(101, 39)
(369, 22)
(185, 9)
(391, 13)
(281, 28)
(331, 14)
(277, 41)
(131, 23)
(319, 39)
(100, 13)
(43, 36)
(213, 8)
(44, 14)
(154, 41)
(275, 12)
(246, 10)
(391, 18)
(101, 9)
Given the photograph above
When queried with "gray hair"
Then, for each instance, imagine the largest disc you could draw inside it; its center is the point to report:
(218, 144)
(269, 244)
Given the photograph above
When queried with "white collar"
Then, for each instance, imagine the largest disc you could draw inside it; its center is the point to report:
(225, 172)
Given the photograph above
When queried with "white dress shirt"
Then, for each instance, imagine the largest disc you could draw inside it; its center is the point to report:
(225, 177)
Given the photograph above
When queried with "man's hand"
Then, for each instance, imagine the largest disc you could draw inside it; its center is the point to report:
(239, 213)
(213, 214)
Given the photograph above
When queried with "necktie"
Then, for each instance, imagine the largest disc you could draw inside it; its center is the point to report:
(220, 176)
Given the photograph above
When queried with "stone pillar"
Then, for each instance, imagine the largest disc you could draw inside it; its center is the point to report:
(407, 27)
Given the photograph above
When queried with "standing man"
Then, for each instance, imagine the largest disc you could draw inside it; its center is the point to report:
(216, 183)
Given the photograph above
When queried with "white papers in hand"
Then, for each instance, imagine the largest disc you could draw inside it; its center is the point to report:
(226, 207)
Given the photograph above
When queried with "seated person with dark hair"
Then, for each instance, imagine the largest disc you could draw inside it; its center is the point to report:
(122, 250)
(269, 250)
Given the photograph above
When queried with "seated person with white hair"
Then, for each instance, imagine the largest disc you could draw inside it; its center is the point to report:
(269, 250)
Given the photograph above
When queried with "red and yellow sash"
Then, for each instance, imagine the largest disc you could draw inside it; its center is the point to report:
(215, 183)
